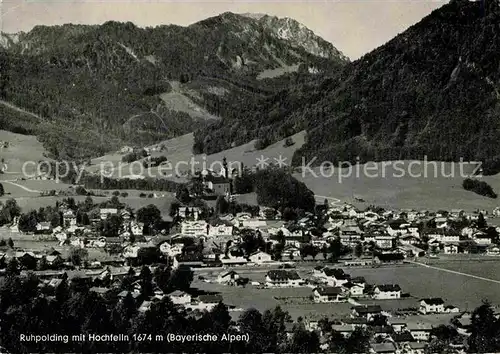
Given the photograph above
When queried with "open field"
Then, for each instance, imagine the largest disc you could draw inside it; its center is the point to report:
(21, 148)
(426, 185)
(422, 191)
(459, 290)
(420, 282)
(429, 185)
(263, 299)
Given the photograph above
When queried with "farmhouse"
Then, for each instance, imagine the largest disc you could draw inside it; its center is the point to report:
(185, 212)
(105, 212)
(260, 257)
(283, 278)
(443, 236)
(383, 348)
(355, 290)
(387, 291)
(350, 235)
(384, 241)
(367, 311)
(335, 277)
(194, 228)
(493, 250)
(344, 329)
(409, 239)
(205, 302)
(328, 294)
(69, 218)
(397, 227)
(290, 252)
(43, 227)
(180, 297)
(450, 248)
(420, 331)
(220, 230)
(481, 238)
(432, 305)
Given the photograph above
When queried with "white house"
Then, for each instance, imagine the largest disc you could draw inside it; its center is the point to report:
(350, 235)
(409, 239)
(69, 218)
(180, 297)
(193, 212)
(444, 236)
(194, 228)
(387, 291)
(260, 257)
(205, 302)
(450, 248)
(397, 227)
(441, 222)
(481, 238)
(220, 230)
(384, 241)
(493, 250)
(283, 278)
(328, 294)
(355, 290)
(170, 250)
(334, 277)
(136, 228)
(432, 305)
(292, 251)
(105, 212)
(420, 331)
(253, 223)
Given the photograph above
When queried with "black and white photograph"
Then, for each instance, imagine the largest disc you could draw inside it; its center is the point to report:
(250, 176)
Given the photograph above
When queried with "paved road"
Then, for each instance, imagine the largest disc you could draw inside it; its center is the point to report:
(456, 272)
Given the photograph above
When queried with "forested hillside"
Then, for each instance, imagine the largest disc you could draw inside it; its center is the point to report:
(103, 83)
(432, 90)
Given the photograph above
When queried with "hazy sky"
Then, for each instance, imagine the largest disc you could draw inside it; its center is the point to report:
(353, 26)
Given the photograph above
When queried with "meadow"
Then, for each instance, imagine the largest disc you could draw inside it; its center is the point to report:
(419, 282)
(433, 190)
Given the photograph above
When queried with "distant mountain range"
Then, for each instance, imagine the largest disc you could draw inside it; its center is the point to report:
(432, 90)
(96, 87)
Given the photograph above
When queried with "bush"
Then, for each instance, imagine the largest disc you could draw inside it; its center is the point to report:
(80, 190)
(142, 195)
(288, 142)
(261, 144)
(479, 187)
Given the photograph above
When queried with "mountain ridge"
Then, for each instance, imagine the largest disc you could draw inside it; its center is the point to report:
(94, 78)
(432, 91)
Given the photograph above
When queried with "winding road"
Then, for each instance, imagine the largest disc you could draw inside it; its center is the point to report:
(22, 187)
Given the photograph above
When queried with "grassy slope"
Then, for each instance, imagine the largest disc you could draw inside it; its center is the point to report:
(179, 149)
(406, 192)
(388, 191)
